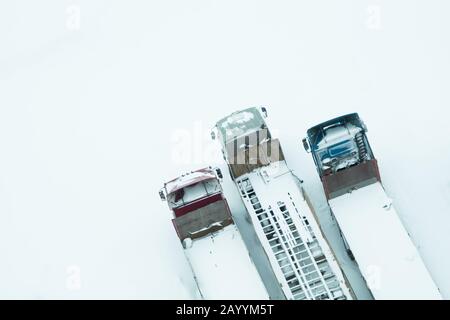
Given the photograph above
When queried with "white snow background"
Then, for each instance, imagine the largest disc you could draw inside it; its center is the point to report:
(93, 116)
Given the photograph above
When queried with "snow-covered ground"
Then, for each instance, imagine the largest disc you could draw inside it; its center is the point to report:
(95, 117)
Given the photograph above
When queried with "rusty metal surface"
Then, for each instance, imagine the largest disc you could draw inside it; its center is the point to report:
(351, 178)
(198, 223)
(242, 161)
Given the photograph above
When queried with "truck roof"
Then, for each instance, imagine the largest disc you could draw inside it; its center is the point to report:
(240, 123)
(189, 179)
(387, 258)
(336, 135)
(315, 133)
(223, 267)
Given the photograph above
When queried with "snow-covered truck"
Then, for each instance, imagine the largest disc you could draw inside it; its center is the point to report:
(214, 247)
(370, 227)
(284, 222)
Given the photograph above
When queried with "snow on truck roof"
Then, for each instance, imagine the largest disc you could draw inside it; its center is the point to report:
(240, 123)
(315, 134)
(189, 179)
(223, 267)
(387, 258)
(337, 134)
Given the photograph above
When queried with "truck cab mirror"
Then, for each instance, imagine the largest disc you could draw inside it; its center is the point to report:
(213, 135)
(162, 195)
(363, 126)
(219, 173)
(306, 145)
(264, 111)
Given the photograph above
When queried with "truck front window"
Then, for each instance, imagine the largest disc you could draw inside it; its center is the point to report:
(341, 149)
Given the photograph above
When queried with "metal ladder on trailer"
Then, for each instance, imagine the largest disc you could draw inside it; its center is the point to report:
(301, 261)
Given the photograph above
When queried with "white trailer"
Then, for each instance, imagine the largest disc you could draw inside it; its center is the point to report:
(284, 221)
(371, 228)
(212, 243)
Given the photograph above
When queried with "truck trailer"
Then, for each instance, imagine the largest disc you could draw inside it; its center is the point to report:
(369, 224)
(214, 248)
(280, 211)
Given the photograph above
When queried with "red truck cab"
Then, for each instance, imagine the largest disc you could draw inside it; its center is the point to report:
(197, 203)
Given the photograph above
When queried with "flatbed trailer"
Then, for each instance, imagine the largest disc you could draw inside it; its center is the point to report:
(212, 243)
(385, 254)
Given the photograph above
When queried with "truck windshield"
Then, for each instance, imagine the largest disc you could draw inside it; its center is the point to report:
(341, 149)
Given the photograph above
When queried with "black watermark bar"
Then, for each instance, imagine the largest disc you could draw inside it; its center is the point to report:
(207, 309)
